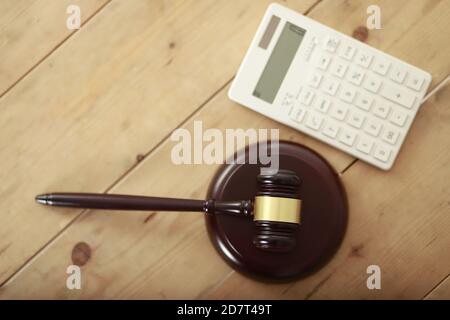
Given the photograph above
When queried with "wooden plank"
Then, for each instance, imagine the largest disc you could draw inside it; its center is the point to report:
(425, 19)
(114, 91)
(401, 222)
(171, 246)
(163, 265)
(398, 221)
(31, 30)
(413, 31)
(441, 292)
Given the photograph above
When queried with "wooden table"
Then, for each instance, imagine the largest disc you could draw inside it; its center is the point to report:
(92, 110)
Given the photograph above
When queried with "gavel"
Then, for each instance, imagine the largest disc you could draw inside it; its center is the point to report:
(275, 209)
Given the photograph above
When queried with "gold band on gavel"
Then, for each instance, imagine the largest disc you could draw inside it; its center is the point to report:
(277, 209)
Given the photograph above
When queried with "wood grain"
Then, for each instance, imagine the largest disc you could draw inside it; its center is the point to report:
(414, 31)
(31, 30)
(110, 94)
(345, 276)
(398, 220)
(168, 245)
(441, 292)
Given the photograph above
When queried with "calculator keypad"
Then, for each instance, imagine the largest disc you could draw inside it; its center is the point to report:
(358, 100)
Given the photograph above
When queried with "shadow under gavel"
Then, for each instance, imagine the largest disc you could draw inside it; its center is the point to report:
(275, 208)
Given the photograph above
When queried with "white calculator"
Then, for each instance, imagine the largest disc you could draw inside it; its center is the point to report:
(330, 86)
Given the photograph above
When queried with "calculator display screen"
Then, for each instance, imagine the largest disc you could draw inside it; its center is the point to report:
(279, 61)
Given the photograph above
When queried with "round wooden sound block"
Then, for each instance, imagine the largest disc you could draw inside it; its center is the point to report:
(323, 216)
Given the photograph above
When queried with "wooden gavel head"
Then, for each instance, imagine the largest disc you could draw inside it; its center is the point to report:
(276, 212)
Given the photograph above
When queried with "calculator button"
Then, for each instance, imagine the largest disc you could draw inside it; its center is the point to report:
(372, 84)
(331, 44)
(306, 96)
(324, 61)
(331, 87)
(381, 110)
(331, 129)
(365, 145)
(364, 102)
(315, 79)
(415, 82)
(348, 137)
(293, 107)
(323, 104)
(289, 96)
(288, 100)
(390, 136)
(339, 112)
(399, 95)
(339, 69)
(355, 76)
(314, 121)
(363, 59)
(356, 120)
(298, 114)
(373, 127)
(381, 66)
(287, 103)
(348, 51)
(398, 75)
(398, 117)
(347, 94)
(382, 153)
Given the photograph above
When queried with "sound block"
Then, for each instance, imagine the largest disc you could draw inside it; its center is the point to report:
(323, 217)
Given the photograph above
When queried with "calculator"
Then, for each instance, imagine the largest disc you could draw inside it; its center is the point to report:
(330, 86)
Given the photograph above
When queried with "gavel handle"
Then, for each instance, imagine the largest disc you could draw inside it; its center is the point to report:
(129, 202)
